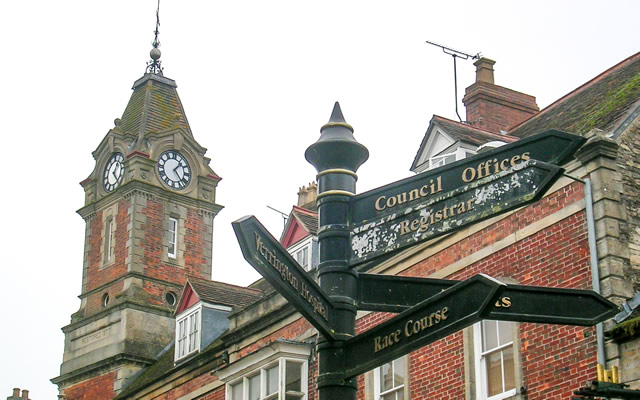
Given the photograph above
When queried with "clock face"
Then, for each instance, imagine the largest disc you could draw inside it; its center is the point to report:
(113, 172)
(174, 170)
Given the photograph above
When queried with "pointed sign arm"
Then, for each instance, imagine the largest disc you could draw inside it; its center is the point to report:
(517, 303)
(461, 305)
(283, 272)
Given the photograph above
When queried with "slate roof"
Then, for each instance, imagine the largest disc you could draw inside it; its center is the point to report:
(223, 293)
(154, 107)
(468, 134)
(308, 219)
(459, 132)
(600, 103)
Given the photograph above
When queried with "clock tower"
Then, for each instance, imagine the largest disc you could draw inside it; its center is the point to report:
(149, 210)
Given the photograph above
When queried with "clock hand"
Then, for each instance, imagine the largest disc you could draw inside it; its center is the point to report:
(175, 169)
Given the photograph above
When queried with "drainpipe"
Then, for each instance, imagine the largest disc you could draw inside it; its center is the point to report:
(593, 253)
(595, 271)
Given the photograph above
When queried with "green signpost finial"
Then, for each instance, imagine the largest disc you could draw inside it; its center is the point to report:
(337, 148)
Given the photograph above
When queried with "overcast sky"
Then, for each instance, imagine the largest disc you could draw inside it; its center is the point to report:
(257, 79)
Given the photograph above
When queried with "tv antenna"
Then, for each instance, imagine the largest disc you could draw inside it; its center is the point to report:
(284, 216)
(455, 54)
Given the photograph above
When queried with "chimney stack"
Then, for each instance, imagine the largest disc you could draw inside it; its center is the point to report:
(16, 395)
(307, 196)
(484, 70)
(495, 108)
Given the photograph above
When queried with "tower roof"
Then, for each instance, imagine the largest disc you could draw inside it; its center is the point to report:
(154, 107)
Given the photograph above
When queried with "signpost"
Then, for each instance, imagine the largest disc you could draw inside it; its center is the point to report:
(518, 303)
(447, 312)
(354, 229)
(277, 266)
(553, 147)
(438, 214)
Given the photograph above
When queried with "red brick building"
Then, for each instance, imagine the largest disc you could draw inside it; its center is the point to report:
(149, 219)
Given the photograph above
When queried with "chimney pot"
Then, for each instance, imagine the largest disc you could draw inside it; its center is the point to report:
(16, 392)
(484, 70)
(25, 394)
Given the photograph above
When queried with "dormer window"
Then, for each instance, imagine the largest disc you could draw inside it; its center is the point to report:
(188, 333)
(449, 157)
(302, 256)
(305, 253)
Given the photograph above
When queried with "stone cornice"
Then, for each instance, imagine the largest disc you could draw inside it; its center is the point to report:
(103, 365)
(136, 187)
(125, 276)
(597, 146)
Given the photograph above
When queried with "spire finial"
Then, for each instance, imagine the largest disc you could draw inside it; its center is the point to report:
(153, 66)
(337, 119)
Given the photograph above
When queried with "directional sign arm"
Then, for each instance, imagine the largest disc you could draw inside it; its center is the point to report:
(276, 265)
(396, 293)
(517, 303)
(440, 213)
(458, 307)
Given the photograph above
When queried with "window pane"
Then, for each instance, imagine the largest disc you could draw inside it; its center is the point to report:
(506, 332)
(236, 391)
(272, 379)
(173, 230)
(293, 374)
(400, 394)
(398, 372)
(489, 335)
(254, 387)
(509, 369)
(494, 373)
(386, 377)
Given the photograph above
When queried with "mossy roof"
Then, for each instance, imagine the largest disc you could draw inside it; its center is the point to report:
(154, 107)
(599, 103)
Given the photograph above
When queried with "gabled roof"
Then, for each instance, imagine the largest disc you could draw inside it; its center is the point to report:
(214, 292)
(600, 103)
(458, 132)
(301, 223)
(154, 106)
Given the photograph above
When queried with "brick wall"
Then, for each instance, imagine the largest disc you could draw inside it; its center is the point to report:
(555, 359)
(100, 387)
(494, 108)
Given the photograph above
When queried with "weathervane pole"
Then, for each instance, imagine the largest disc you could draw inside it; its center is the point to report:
(153, 66)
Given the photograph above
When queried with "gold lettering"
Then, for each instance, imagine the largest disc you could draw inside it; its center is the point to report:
(391, 202)
(514, 160)
(414, 195)
(503, 302)
(525, 156)
(503, 165)
(404, 227)
(402, 197)
(424, 191)
(467, 178)
(378, 206)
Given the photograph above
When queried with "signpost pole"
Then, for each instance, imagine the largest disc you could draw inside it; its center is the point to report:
(336, 156)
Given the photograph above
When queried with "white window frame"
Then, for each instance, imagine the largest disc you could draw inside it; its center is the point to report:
(276, 354)
(481, 368)
(188, 332)
(377, 390)
(172, 237)
(108, 245)
(458, 154)
(308, 244)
